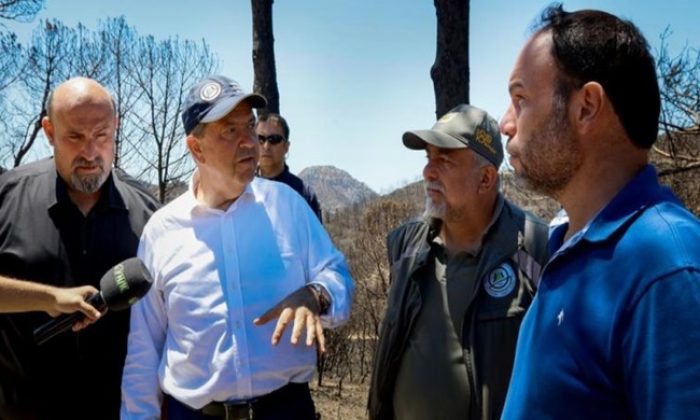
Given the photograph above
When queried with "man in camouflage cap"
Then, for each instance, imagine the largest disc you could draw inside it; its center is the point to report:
(461, 280)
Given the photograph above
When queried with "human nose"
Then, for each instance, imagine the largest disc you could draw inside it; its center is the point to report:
(507, 125)
(90, 149)
(249, 140)
(429, 172)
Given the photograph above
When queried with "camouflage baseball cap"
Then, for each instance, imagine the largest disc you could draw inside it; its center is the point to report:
(463, 126)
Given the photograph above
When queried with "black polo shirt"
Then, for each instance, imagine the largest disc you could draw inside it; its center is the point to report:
(298, 185)
(45, 238)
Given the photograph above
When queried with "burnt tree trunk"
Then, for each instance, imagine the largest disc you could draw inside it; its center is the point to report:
(264, 55)
(450, 72)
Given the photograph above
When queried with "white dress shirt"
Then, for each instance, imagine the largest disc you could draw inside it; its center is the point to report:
(214, 271)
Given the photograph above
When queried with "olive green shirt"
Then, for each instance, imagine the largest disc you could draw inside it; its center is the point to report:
(433, 380)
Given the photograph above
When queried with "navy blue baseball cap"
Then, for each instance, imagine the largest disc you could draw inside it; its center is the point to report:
(213, 98)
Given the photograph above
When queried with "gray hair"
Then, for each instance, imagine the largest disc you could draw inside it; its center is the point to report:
(481, 161)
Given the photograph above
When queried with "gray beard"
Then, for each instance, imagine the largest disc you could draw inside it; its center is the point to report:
(90, 183)
(436, 211)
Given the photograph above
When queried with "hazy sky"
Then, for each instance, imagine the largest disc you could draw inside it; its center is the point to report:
(354, 75)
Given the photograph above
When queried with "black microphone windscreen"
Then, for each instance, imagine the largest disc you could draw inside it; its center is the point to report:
(125, 283)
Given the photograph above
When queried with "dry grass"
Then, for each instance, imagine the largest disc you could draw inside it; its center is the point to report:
(349, 404)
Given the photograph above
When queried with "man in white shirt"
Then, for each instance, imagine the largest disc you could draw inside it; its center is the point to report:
(221, 255)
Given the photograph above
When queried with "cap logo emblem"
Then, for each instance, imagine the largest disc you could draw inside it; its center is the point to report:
(210, 91)
(484, 138)
(500, 282)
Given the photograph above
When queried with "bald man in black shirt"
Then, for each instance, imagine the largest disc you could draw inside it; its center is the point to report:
(64, 222)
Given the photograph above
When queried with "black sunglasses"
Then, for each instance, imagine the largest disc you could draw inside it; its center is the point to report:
(272, 139)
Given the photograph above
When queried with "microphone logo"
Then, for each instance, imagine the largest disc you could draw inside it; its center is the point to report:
(120, 278)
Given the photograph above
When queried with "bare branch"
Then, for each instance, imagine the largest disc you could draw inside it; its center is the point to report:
(20, 10)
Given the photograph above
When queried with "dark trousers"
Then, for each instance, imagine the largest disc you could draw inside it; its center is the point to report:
(291, 402)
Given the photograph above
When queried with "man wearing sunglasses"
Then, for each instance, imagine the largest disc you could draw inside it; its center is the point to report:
(273, 134)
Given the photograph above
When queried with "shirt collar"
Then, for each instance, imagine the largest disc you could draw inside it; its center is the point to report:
(496, 213)
(436, 223)
(195, 206)
(58, 191)
(284, 173)
(279, 177)
(641, 192)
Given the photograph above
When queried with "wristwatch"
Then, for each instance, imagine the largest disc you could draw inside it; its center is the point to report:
(322, 297)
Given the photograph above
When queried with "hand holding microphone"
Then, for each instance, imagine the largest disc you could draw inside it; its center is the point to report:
(67, 301)
(120, 287)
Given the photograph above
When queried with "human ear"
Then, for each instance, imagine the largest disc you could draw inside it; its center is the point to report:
(489, 178)
(588, 103)
(48, 129)
(195, 148)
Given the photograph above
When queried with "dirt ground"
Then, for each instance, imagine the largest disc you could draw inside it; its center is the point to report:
(349, 405)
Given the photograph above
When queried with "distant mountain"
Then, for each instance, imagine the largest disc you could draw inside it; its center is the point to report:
(336, 188)
(411, 195)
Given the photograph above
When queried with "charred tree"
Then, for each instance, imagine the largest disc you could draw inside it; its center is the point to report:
(450, 72)
(264, 55)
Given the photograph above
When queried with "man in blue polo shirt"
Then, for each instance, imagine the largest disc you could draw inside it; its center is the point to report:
(612, 331)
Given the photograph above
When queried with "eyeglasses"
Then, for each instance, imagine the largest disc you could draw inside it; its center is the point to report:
(272, 139)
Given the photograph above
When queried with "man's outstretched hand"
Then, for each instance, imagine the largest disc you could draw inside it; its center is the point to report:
(303, 307)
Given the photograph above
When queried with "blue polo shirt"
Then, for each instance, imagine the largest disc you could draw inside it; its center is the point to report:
(614, 330)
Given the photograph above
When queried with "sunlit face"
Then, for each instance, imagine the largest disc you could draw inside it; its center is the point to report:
(451, 179)
(83, 140)
(272, 156)
(227, 150)
(543, 148)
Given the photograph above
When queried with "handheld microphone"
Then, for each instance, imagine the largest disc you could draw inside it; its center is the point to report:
(120, 287)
